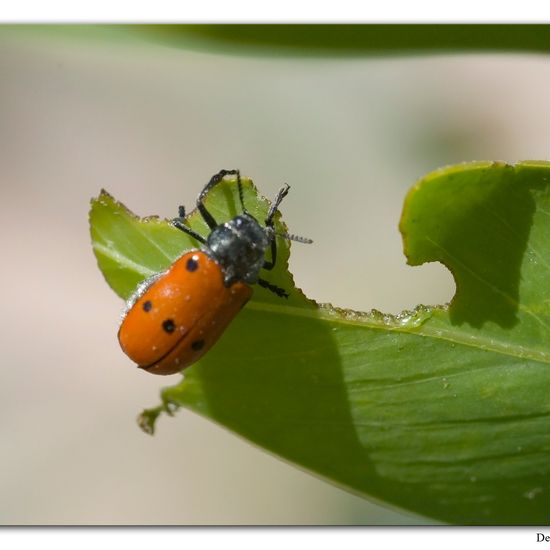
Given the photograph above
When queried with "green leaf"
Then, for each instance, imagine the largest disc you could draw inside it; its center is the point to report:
(443, 411)
(349, 40)
(306, 40)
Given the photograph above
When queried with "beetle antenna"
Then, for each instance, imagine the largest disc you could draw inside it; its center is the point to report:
(296, 238)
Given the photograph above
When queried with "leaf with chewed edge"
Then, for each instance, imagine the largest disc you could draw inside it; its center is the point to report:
(442, 411)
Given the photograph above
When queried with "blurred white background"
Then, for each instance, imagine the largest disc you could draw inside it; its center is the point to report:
(151, 123)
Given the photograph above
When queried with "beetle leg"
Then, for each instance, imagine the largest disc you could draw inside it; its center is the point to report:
(214, 180)
(281, 292)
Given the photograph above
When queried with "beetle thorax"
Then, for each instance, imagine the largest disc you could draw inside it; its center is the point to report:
(239, 246)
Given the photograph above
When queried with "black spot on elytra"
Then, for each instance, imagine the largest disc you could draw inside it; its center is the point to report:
(147, 305)
(192, 264)
(169, 326)
(197, 345)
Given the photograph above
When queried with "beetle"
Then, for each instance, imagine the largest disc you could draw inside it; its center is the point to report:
(175, 317)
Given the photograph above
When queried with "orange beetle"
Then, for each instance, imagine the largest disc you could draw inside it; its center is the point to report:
(175, 317)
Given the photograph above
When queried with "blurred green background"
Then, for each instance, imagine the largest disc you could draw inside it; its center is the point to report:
(151, 119)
